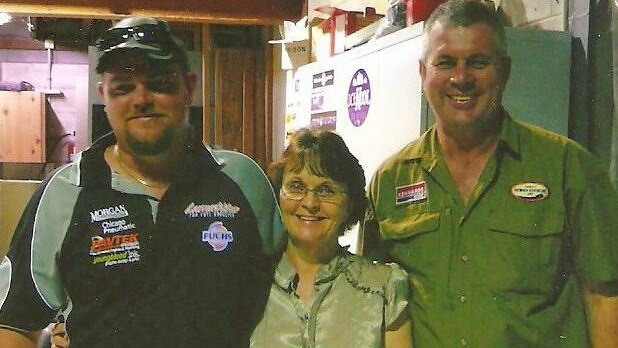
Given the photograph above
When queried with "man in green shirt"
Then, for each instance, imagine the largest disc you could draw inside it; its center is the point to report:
(509, 233)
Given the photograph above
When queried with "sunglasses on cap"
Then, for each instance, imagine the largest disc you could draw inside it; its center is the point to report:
(147, 34)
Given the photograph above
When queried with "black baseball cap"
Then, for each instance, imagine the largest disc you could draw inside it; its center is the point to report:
(152, 37)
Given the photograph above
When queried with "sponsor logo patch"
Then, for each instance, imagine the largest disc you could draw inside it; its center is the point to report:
(119, 242)
(217, 210)
(414, 193)
(116, 249)
(117, 258)
(115, 212)
(530, 191)
(217, 236)
(116, 226)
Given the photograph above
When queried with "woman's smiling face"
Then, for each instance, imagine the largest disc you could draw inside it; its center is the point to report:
(316, 217)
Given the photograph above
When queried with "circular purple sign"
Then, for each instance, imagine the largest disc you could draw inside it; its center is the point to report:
(359, 97)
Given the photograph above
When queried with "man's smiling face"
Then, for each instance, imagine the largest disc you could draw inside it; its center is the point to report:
(463, 75)
(146, 103)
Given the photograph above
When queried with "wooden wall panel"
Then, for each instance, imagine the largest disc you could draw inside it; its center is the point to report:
(22, 127)
(264, 99)
(225, 12)
(229, 92)
(207, 114)
(250, 117)
(242, 86)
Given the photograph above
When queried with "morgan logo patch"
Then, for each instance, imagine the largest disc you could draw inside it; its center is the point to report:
(530, 191)
(414, 193)
(217, 236)
(115, 212)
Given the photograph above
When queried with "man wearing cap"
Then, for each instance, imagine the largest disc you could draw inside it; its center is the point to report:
(149, 239)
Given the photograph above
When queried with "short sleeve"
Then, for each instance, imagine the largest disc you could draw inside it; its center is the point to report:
(256, 187)
(592, 206)
(370, 243)
(396, 296)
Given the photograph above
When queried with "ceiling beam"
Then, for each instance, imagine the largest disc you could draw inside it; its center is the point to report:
(258, 12)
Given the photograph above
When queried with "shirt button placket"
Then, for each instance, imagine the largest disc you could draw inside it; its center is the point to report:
(461, 279)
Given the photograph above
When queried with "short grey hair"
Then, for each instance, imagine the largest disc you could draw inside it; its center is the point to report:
(463, 13)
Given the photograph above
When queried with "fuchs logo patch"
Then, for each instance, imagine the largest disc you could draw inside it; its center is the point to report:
(217, 236)
(217, 210)
(414, 193)
(530, 191)
(115, 212)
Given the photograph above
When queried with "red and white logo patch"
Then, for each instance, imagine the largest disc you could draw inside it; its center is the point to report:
(413, 193)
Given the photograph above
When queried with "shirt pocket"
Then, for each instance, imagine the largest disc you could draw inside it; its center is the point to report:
(410, 226)
(526, 247)
(412, 241)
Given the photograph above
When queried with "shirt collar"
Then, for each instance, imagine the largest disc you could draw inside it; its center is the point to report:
(423, 150)
(285, 272)
(510, 138)
(95, 171)
(426, 148)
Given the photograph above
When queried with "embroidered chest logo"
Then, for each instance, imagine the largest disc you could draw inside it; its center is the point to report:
(530, 191)
(116, 226)
(115, 249)
(217, 236)
(217, 210)
(413, 193)
(114, 212)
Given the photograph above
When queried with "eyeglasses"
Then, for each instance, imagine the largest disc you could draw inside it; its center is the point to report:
(296, 191)
(148, 34)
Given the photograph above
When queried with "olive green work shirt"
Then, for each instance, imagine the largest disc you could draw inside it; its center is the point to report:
(503, 269)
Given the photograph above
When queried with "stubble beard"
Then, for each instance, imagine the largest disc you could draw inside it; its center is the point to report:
(154, 147)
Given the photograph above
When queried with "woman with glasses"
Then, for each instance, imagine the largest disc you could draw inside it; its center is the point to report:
(323, 296)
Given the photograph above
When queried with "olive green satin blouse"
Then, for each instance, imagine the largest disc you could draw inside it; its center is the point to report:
(355, 300)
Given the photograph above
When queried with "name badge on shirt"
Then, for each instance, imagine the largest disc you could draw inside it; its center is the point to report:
(413, 193)
(530, 191)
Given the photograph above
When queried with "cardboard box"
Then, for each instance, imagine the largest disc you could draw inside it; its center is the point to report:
(296, 44)
(295, 54)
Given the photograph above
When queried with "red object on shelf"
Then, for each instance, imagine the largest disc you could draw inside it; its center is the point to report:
(330, 24)
(419, 10)
(343, 23)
